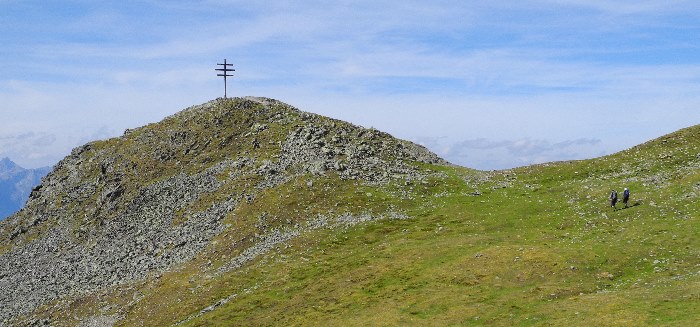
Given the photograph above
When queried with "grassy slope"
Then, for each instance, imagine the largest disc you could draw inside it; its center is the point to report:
(538, 246)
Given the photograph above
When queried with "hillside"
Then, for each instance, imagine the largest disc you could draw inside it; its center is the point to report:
(250, 212)
(15, 185)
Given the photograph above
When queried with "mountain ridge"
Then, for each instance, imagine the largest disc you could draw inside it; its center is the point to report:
(102, 183)
(248, 211)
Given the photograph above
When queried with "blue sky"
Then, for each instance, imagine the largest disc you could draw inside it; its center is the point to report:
(485, 84)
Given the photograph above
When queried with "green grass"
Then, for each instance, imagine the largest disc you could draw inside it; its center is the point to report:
(467, 262)
(538, 246)
(549, 254)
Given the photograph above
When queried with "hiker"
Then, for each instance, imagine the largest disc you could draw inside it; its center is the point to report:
(613, 199)
(626, 197)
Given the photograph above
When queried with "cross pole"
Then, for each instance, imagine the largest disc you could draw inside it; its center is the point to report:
(224, 73)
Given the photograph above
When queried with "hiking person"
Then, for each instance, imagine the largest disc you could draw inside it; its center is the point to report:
(613, 199)
(626, 196)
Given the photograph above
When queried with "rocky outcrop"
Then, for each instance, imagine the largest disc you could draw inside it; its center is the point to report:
(115, 211)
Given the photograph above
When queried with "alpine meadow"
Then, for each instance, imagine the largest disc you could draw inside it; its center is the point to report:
(250, 212)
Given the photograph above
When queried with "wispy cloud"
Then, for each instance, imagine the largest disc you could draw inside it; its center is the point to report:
(651, 7)
(519, 148)
(533, 72)
(28, 147)
(485, 153)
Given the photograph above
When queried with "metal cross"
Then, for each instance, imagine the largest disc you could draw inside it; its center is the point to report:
(224, 73)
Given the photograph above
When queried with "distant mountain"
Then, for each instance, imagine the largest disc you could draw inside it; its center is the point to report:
(15, 185)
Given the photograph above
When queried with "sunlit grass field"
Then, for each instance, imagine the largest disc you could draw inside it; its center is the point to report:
(531, 246)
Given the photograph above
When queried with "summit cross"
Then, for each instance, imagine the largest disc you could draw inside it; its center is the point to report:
(225, 73)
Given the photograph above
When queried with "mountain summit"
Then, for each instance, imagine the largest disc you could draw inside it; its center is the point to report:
(120, 211)
(6, 165)
(247, 211)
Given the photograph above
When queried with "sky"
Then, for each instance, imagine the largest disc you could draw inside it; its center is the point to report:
(485, 84)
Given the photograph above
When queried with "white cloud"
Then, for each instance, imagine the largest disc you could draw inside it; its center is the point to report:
(617, 7)
(489, 154)
(541, 71)
(28, 149)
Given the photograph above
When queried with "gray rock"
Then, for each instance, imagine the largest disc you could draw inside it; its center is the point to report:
(114, 212)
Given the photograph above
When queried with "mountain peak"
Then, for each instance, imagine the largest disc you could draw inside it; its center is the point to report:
(248, 209)
(8, 168)
(162, 192)
(15, 185)
(7, 164)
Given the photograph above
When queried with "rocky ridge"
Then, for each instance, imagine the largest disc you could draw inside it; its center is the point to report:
(114, 212)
